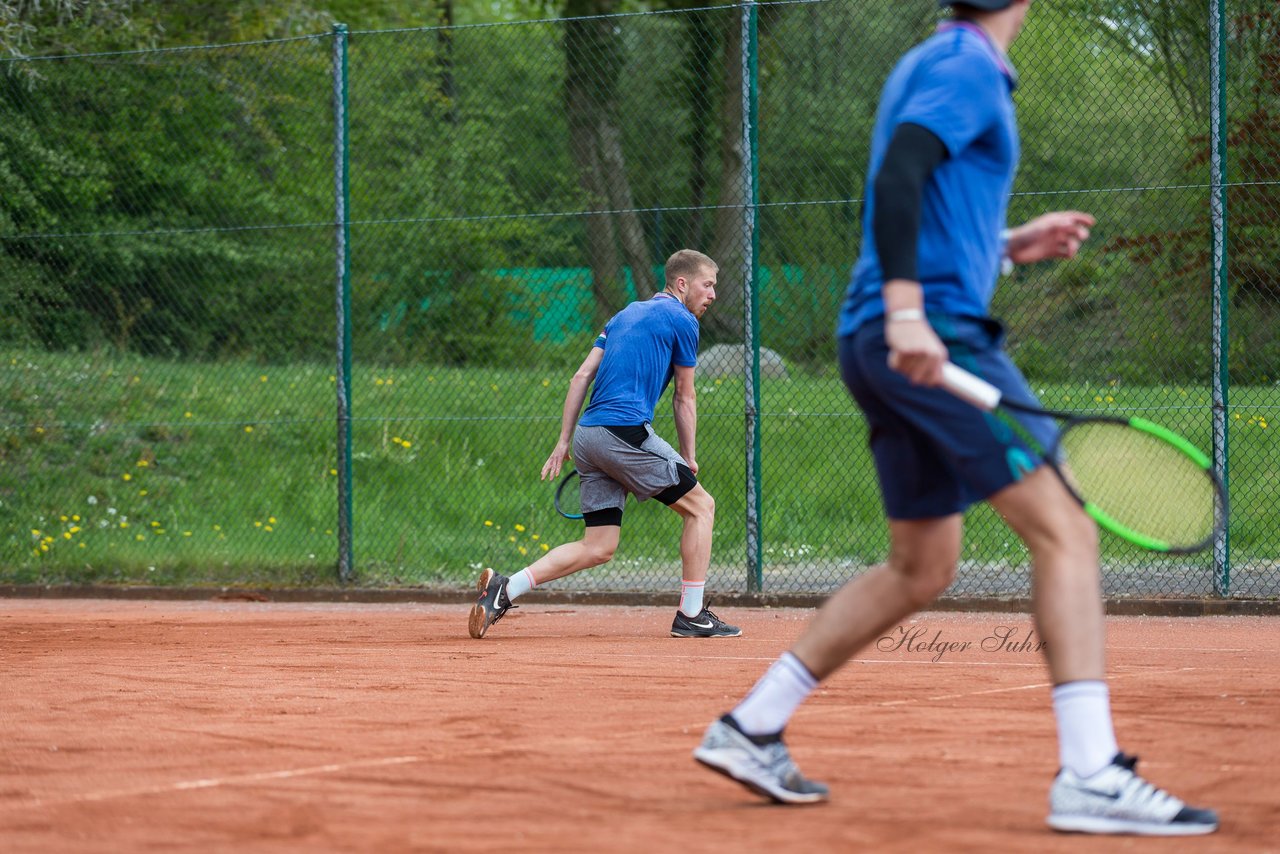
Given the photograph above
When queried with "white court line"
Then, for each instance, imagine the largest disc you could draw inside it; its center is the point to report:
(214, 782)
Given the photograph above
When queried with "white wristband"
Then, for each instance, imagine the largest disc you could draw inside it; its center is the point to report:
(904, 314)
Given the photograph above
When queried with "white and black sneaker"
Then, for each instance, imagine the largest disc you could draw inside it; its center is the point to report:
(761, 763)
(705, 625)
(1117, 800)
(492, 604)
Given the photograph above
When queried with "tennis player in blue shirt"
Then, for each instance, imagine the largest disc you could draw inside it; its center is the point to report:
(943, 156)
(642, 349)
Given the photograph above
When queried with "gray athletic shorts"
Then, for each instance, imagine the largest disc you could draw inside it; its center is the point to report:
(610, 467)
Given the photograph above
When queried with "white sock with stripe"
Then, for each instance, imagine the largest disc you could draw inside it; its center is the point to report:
(691, 597)
(1086, 740)
(520, 583)
(774, 699)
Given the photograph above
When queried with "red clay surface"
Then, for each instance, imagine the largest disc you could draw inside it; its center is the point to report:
(306, 727)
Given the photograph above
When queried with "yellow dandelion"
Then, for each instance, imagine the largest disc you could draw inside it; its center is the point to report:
(257, 524)
(75, 529)
(126, 476)
(262, 378)
(493, 387)
(217, 527)
(523, 550)
(488, 523)
(268, 528)
(39, 429)
(534, 536)
(519, 528)
(248, 428)
(66, 535)
(142, 492)
(80, 546)
(35, 532)
(139, 537)
(143, 464)
(271, 520)
(186, 533)
(511, 539)
(186, 415)
(406, 444)
(75, 517)
(377, 382)
(545, 547)
(333, 472)
(43, 547)
(123, 524)
(546, 383)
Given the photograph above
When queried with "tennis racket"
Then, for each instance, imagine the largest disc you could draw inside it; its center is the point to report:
(1137, 479)
(568, 497)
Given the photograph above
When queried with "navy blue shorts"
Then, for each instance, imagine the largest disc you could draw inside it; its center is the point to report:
(936, 455)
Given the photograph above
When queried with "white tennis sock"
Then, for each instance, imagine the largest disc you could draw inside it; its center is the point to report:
(1086, 741)
(774, 699)
(519, 584)
(691, 597)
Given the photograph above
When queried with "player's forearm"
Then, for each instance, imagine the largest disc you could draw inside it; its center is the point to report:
(573, 401)
(686, 413)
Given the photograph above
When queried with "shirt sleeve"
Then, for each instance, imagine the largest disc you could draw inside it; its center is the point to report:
(685, 350)
(957, 98)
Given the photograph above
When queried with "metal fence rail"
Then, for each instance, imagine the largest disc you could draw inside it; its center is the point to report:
(179, 230)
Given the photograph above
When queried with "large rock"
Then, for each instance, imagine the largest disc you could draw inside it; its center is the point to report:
(729, 360)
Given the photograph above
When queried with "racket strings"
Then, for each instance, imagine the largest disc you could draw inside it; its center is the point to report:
(569, 497)
(1140, 481)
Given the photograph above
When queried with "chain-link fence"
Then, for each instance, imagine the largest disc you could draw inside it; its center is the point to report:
(281, 312)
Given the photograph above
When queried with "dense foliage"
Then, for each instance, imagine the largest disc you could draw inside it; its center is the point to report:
(179, 203)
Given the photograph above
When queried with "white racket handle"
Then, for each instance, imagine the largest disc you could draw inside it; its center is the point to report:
(967, 387)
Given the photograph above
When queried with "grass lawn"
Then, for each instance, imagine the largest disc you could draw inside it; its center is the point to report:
(134, 471)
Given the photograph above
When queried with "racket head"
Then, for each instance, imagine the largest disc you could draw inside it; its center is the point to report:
(568, 498)
(1142, 482)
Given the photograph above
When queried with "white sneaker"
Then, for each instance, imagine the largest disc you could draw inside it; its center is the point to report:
(764, 768)
(1117, 800)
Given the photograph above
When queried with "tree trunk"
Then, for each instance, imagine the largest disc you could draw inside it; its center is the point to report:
(730, 242)
(594, 60)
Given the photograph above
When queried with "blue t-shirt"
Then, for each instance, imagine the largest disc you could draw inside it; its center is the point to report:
(958, 85)
(642, 345)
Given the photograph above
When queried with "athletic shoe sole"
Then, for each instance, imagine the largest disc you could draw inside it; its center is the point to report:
(693, 635)
(475, 622)
(1102, 824)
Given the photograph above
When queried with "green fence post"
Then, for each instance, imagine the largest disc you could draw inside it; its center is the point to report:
(342, 236)
(1221, 303)
(751, 304)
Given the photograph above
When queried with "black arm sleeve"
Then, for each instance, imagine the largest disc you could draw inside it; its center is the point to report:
(913, 154)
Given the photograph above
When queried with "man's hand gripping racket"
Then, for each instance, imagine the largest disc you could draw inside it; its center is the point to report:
(1137, 479)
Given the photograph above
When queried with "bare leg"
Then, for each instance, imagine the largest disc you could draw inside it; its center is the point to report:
(698, 509)
(922, 562)
(1066, 585)
(596, 547)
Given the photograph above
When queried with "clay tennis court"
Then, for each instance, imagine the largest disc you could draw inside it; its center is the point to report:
(136, 725)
